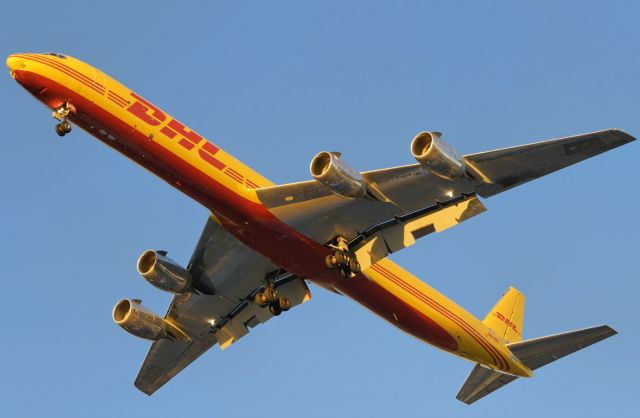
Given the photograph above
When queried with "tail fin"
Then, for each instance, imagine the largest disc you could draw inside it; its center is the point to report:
(534, 354)
(507, 316)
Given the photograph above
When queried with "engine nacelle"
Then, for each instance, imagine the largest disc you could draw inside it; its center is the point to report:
(338, 176)
(163, 272)
(138, 320)
(437, 156)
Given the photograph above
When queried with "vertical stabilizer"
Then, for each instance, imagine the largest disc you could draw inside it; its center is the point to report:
(507, 316)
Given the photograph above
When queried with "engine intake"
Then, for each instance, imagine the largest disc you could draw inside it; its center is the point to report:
(138, 320)
(338, 176)
(163, 272)
(437, 156)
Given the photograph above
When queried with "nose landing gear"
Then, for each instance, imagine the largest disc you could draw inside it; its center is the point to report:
(61, 114)
(63, 128)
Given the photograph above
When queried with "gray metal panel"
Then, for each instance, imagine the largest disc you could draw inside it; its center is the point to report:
(544, 350)
(167, 358)
(480, 383)
(510, 167)
(220, 264)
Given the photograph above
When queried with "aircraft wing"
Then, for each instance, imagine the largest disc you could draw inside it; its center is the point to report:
(409, 191)
(403, 204)
(221, 264)
(509, 167)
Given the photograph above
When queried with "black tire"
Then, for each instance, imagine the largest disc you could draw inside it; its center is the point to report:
(260, 300)
(340, 257)
(344, 271)
(59, 130)
(330, 261)
(284, 303)
(66, 127)
(270, 294)
(354, 266)
(275, 309)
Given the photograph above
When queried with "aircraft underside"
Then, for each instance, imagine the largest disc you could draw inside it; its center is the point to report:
(263, 241)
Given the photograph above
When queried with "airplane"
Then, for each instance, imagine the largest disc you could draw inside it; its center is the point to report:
(263, 243)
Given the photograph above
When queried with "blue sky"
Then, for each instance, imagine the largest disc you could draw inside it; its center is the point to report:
(273, 83)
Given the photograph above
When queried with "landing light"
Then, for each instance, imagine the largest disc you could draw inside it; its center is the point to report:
(212, 322)
(449, 193)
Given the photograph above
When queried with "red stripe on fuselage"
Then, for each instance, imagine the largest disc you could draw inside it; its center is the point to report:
(58, 63)
(125, 101)
(488, 347)
(248, 221)
(64, 69)
(116, 99)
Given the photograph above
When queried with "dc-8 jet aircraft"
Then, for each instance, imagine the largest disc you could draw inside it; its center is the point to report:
(262, 242)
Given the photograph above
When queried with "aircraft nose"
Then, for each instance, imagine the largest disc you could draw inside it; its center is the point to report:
(15, 63)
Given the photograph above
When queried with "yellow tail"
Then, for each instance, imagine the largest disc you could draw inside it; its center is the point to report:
(507, 316)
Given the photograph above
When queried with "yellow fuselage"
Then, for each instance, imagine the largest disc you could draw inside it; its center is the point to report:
(128, 123)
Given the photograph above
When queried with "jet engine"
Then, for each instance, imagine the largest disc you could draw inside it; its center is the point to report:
(437, 156)
(338, 176)
(163, 272)
(138, 320)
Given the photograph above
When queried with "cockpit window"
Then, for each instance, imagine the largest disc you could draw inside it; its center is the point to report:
(56, 55)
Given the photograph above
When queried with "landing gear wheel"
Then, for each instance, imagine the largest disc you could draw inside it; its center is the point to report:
(270, 294)
(341, 257)
(66, 126)
(330, 261)
(284, 304)
(344, 271)
(275, 309)
(354, 265)
(63, 128)
(345, 261)
(260, 300)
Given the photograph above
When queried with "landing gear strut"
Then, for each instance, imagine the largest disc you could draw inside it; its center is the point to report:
(343, 259)
(269, 297)
(61, 113)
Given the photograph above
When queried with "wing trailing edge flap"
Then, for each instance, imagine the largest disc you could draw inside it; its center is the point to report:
(402, 232)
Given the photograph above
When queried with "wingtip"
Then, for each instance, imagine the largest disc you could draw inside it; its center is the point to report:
(624, 136)
(144, 388)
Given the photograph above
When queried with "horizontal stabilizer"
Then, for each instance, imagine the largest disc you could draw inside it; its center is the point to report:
(534, 354)
(544, 350)
(481, 382)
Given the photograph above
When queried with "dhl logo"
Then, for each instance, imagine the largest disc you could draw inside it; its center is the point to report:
(176, 131)
(508, 322)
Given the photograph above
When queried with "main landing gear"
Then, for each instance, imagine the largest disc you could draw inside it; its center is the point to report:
(61, 113)
(343, 259)
(269, 297)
